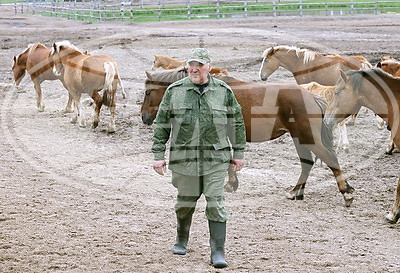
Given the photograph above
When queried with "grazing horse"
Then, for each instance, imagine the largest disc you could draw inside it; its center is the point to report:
(376, 90)
(269, 111)
(89, 74)
(170, 63)
(37, 62)
(307, 65)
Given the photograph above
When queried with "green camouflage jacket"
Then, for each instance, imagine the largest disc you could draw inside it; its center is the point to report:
(202, 127)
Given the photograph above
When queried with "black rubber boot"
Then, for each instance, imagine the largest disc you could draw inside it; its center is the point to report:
(182, 236)
(217, 243)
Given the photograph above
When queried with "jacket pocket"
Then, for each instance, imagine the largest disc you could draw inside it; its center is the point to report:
(183, 125)
(220, 114)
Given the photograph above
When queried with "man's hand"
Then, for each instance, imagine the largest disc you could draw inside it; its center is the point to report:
(160, 166)
(237, 164)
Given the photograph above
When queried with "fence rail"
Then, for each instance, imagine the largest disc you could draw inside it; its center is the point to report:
(159, 10)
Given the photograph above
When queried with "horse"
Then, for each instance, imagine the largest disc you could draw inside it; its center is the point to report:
(35, 60)
(307, 65)
(327, 93)
(89, 74)
(170, 63)
(270, 111)
(376, 90)
(390, 65)
(166, 62)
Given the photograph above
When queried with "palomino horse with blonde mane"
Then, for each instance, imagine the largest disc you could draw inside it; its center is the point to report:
(90, 74)
(376, 90)
(270, 111)
(307, 65)
(37, 62)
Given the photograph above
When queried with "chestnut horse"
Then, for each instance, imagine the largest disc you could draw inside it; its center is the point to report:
(376, 90)
(307, 65)
(89, 74)
(170, 63)
(269, 111)
(37, 62)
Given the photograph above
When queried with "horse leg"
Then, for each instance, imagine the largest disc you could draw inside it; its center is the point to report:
(39, 96)
(394, 215)
(111, 125)
(380, 122)
(98, 100)
(307, 163)
(329, 157)
(78, 115)
(69, 108)
(343, 140)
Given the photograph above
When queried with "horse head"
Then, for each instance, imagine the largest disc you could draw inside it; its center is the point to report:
(60, 53)
(19, 69)
(345, 100)
(154, 91)
(269, 63)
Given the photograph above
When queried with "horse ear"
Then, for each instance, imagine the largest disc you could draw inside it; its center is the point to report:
(379, 65)
(344, 76)
(54, 47)
(149, 75)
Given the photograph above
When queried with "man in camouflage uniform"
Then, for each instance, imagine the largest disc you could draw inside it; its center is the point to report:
(203, 119)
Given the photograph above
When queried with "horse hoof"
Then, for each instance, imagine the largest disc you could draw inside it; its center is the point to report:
(348, 199)
(299, 197)
(94, 125)
(290, 195)
(390, 218)
(111, 130)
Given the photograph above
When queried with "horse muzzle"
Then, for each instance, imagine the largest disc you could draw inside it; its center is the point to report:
(147, 119)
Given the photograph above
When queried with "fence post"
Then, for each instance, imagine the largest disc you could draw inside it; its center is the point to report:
(245, 8)
(159, 10)
(301, 7)
(188, 9)
(218, 11)
(326, 7)
(91, 11)
(274, 8)
(352, 7)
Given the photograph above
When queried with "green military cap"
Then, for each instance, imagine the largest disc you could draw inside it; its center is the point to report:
(200, 55)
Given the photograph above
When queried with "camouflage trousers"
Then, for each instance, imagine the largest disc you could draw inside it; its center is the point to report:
(190, 188)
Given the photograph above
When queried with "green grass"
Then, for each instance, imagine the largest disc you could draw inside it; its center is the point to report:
(227, 10)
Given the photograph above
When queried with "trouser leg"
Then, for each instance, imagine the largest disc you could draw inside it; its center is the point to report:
(217, 216)
(188, 194)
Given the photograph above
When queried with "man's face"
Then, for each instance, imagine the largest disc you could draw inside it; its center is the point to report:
(198, 72)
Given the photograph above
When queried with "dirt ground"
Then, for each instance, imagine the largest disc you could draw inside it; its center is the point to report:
(80, 200)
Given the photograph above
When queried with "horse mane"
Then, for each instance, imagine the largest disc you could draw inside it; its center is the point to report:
(308, 55)
(57, 46)
(357, 76)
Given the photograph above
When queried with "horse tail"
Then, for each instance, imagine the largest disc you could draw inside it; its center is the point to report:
(110, 74)
(326, 132)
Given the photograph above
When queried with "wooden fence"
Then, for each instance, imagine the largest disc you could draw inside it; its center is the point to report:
(159, 10)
